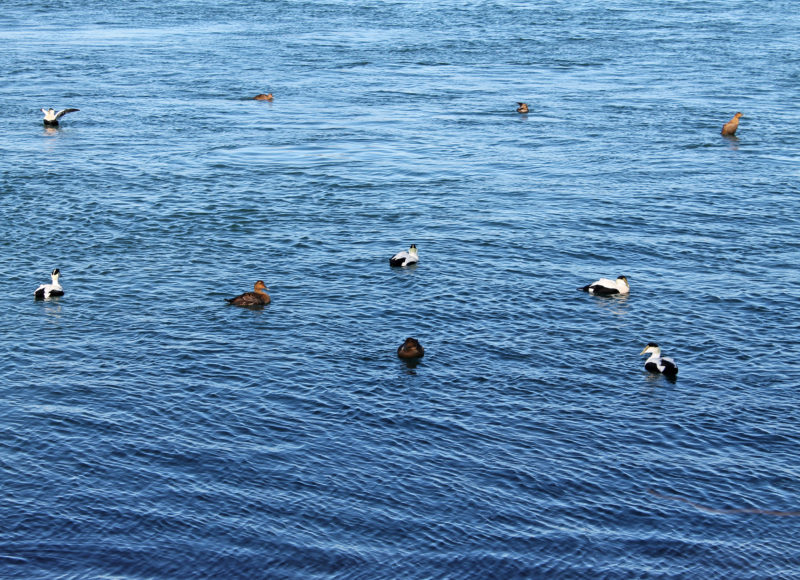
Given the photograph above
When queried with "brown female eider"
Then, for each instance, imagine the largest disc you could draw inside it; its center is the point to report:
(256, 298)
(729, 128)
(410, 349)
(263, 97)
(523, 107)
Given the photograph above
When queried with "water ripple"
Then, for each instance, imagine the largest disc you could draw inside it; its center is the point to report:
(150, 430)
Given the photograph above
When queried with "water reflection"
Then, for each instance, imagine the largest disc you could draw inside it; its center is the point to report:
(654, 379)
(733, 141)
(51, 144)
(52, 308)
(617, 305)
(411, 364)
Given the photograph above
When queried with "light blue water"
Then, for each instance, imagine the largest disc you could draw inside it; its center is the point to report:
(148, 430)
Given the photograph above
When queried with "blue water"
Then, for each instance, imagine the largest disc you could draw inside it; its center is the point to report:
(148, 430)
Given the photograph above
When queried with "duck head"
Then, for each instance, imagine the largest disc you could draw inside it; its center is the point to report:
(651, 348)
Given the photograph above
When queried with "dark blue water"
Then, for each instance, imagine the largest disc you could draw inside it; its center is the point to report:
(148, 430)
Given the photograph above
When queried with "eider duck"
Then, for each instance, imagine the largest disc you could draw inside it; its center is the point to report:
(410, 349)
(47, 290)
(258, 297)
(606, 287)
(729, 128)
(51, 117)
(263, 97)
(523, 107)
(405, 258)
(657, 363)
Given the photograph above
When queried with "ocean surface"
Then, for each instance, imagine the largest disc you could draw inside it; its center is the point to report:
(148, 430)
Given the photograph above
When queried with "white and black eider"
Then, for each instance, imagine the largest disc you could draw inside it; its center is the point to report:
(51, 117)
(47, 290)
(606, 287)
(657, 363)
(405, 258)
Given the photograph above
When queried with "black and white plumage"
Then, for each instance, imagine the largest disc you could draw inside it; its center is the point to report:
(606, 287)
(657, 363)
(46, 291)
(405, 258)
(51, 117)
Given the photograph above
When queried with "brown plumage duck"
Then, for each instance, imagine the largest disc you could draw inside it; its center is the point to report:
(523, 108)
(410, 349)
(258, 297)
(263, 97)
(729, 128)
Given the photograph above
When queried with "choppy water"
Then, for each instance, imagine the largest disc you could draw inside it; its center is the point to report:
(148, 430)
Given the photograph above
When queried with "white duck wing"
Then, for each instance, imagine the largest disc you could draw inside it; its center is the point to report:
(666, 363)
(43, 291)
(603, 287)
(400, 258)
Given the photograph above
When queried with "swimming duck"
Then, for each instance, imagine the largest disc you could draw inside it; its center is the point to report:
(263, 97)
(258, 297)
(51, 117)
(729, 128)
(411, 348)
(606, 287)
(47, 290)
(405, 258)
(523, 107)
(657, 363)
